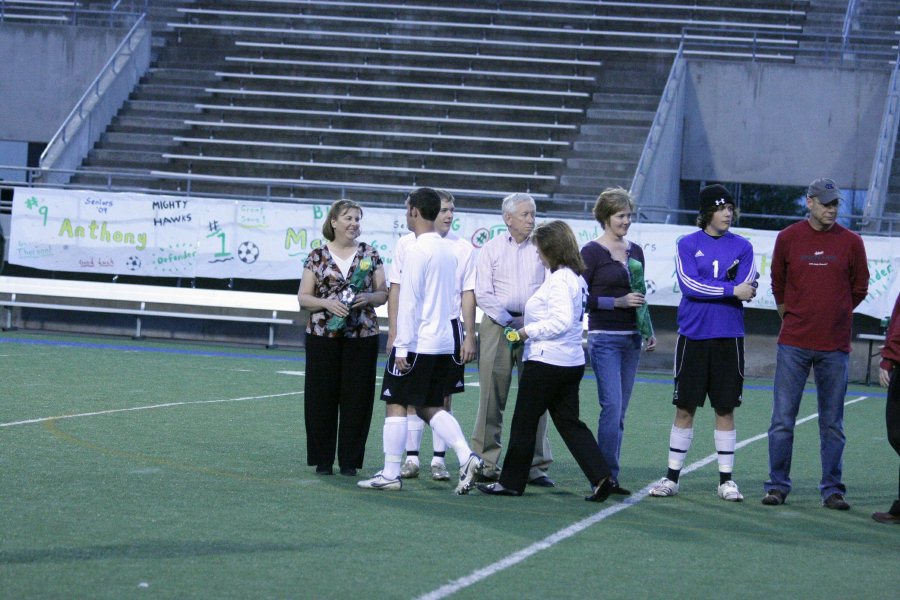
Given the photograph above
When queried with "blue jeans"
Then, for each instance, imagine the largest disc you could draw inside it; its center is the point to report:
(831, 370)
(614, 359)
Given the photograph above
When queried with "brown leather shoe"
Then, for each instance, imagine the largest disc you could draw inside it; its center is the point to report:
(891, 516)
(836, 502)
(886, 517)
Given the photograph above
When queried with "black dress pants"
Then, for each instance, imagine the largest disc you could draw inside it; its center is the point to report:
(892, 416)
(339, 392)
(545, 387)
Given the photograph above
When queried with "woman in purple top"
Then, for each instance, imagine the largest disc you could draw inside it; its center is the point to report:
(614, 343)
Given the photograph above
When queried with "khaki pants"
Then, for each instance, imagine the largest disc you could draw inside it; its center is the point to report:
(495, 365)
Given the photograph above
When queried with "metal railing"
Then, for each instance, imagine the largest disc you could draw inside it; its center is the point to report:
(239, 188)
(731, 43)
(99, 103)
(888, 226)
(852, 5)
(647, 162)
(391, 197)
(879, 180)
(68, 12)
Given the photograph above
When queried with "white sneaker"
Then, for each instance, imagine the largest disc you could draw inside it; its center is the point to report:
(378, 482)
(664, 487)
(409, 470)
(467, 473)
(439, 472)
(729, 491)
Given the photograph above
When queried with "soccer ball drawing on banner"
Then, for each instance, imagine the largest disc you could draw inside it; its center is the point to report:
(248, 252)
(133, 263)
(651, 287)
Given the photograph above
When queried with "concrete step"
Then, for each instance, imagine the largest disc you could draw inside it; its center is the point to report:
(169, 93)
(641, 102)
(146, 124)
(603, 116)
(160, 107)
(596, 182)
(133, 141)
(580, 167)
(629, 134)
(132, 159)
(607, 149)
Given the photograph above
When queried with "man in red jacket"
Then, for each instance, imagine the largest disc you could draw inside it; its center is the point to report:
(888, 375)
(819, 275)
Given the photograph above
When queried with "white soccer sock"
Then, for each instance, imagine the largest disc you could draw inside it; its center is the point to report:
(440, 446)
(725, 442)
(679, 444)
(447, 427)
(414, 428)
(393, 439)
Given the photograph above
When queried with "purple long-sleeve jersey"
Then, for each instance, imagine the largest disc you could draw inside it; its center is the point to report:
(708, 269)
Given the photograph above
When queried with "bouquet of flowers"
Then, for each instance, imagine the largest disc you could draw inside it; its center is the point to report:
(348, 293)
(639, 286)
(513, 339)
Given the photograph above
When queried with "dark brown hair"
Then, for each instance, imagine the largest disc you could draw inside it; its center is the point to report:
(556, 241)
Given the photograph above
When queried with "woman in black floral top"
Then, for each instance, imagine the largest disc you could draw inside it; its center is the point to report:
(341, 341)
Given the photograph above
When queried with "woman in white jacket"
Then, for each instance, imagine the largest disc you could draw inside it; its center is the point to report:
(553, 368)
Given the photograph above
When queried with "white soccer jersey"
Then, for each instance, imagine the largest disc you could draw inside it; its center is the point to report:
(465, 269)
(397, 257)
(427, 288)
(465, 265)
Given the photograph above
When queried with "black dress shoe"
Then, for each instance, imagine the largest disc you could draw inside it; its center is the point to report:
(542, 481)
(604, 489)
(495, 489)
(487, 477)
(348, 471)
(324, 470)
(618, 490)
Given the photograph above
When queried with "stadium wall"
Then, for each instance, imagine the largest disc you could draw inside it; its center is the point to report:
(44, 72)
(781, 124)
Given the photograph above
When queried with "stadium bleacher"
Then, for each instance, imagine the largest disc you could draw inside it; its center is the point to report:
(307, 99)
(343, 90)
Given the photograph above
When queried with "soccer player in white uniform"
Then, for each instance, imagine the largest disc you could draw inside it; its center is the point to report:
(416, 371)
(463, 332)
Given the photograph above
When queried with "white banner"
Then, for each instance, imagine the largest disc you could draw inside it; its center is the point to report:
(169, 236)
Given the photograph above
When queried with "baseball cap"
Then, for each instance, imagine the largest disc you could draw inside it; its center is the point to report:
(826, 190)
(712, 197)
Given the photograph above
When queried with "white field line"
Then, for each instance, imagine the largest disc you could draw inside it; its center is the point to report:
(149, 407)
(563, 534)
(492, 569)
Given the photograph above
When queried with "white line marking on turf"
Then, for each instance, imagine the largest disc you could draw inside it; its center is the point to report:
(149, 407)
(563, 534)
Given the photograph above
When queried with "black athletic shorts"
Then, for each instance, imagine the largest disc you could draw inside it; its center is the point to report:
(421, 385)
(456, 373)
(713, 368)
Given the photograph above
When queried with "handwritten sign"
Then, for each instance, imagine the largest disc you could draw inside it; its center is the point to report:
(150, 235)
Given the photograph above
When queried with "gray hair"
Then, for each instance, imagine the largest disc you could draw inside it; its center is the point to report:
(511, 201)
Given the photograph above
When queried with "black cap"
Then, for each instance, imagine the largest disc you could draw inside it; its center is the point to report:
(715, 196)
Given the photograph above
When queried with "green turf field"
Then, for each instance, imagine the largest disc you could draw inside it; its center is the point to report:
(153, 470)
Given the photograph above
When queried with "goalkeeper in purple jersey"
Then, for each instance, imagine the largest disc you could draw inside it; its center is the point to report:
(716, 275)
